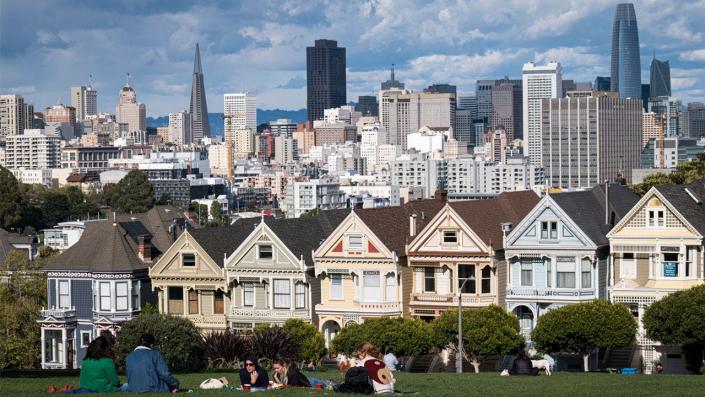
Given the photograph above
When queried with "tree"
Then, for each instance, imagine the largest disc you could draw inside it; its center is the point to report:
(686, 172)
(55, 207)
(201, 211)
(10, 210)
(679, 319)
(216, 212)
(164, 199)
(178, 339)
(650, 181)
(583, 327)
(312, 343)
(273, 342)
(402, 336)
(487, 331)
(134, 193)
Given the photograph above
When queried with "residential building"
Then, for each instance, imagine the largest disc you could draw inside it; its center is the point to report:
(305, 137)
(285, 150)
(64, 235)
(28, 117)
(180, 128)
(85, 100)
(426, 140)
(539, 82)
(331, 133)
(27, 245)
(282, 127)
(459, 254)
(660, 79)
(367, 105)
(163, 134)
(87, 159)
(668, 110)
(325, 78)
(101, 282)
(34, 176)
(240, 110)
(245, 143)
(650, 126)
(131, 112)
(587, 140)
(32, 150)
(11, 115)
(625, 76)
(305, 196)
(427, 174)
(657, 249)
(199, 107)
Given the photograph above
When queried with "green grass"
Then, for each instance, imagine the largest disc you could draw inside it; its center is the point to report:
(446, 384)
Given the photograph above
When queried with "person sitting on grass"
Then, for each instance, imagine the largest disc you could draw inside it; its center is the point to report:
(522, 364)
(286, 374)
(147, 371)
(98, 372)
(381, 377)
(252, 375)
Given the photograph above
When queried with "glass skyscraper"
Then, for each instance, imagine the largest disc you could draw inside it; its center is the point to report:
(325, 78)
(626, 65)
(660, 78)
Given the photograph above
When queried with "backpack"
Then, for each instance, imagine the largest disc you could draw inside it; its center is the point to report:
(356, 381)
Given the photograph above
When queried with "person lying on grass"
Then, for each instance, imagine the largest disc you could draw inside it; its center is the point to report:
(252, 375)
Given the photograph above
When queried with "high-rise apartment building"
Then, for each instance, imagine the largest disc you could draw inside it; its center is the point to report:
(85, 100)
(285, 150)
(32, 150)
(199, 108)
(650, 126)
(245, 143)
(325, 78)
(539, 82)
(660, 78)
(131, 112)
(404, 112)
(367, 105)
(28, 116)
(587, 140)
(11, 115)
(625, 76)
(242, 109)
(180, 128)
(282, 127)
(696, 119)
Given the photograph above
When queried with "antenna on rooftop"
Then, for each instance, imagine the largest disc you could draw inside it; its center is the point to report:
(90, 79)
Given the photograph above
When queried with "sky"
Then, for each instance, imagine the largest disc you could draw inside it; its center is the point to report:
(260, 45)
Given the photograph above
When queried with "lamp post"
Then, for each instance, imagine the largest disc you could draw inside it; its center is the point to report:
(459, 355)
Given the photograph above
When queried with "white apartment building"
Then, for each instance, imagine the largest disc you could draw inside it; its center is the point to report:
(218, 157)
(11, 115)
(345, 114)
(416, 171)
(302, 197)
(180, 128)
(538, 82)
(403, 112)
(33, 177)
(65, 234)
(131, 112)
(425, 141)
(388, 192)
(285, 150)
(245, 143)
(373, 137)
(242, 107)
(32, 150)
(85, 100)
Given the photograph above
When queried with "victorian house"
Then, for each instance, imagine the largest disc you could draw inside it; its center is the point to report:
(657, 249)
(559, 253)
(102, 281)
(362, 265)
(459, 253)
(270, 274)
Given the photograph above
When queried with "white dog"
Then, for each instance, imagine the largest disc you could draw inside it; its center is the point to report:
(542, 365)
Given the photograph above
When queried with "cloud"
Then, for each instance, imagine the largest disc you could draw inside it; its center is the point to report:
(161, 86)
(571, 56)
(695, 55)
(52, 40)
(22, 90)
(294, 83)
(682, 83)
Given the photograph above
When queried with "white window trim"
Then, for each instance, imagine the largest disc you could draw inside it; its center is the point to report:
(275, 293)
(100, 296)
(58, 294)
(90, 338)
(443, 237)
(127, 296)
(254, 298)
(297, 293)
(362, 242)
(195, 260)
(340, 297)
(259, 246)
(656, 210)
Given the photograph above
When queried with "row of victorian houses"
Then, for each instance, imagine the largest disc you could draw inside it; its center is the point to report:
(521, 251)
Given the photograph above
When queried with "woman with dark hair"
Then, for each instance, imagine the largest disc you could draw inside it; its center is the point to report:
(98, 372)
(252, 375)
(369, 357)
(286, 374)
(522, 364)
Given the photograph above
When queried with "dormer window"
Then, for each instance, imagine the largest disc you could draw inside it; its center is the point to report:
(355, 242)
(188, 260)
(265, 252)
(549, 230)
(656, 218)
(450, 237)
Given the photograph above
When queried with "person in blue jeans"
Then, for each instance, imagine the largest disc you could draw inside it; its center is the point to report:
(147, 371)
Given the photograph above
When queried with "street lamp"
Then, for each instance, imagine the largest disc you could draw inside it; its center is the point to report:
(459, 355)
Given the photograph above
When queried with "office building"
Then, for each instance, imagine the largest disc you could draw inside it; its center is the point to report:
(392, 83)
(539, 82)
(180, 128)
(131, 112)
(496, 142)
(199, 108)
(88, 159)
(507, 108)
(442, 89)
(696, 119)
(645, 95)
(325, 78)
(85, 100)
(282, 127)
(60, 113)
(602, 83)
(32, 150)
(587, 140)
(466, 101)
(240, 110)
(660, 78)
(650, 126)
(625, 76)
(331, 133)
(669, 110)
(404, 112)
(464, 128)
(285, 150)
(28, 117)
(367, 105)
(11, 115)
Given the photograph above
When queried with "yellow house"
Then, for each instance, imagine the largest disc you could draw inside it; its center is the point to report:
(657, 249)
(361, 265)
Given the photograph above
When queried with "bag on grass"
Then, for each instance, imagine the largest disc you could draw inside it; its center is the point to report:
(356, 381)
(212, 384)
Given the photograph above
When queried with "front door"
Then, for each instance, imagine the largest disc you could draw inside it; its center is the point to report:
(71, 352)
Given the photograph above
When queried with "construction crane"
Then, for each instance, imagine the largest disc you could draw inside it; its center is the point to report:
(229, 140)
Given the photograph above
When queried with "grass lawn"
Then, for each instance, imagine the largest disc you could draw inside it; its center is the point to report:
(445, 384)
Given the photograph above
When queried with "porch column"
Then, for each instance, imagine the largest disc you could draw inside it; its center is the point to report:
(271, 293)
(184, 300)
(41, 333)
(292, 294)
(65, 353)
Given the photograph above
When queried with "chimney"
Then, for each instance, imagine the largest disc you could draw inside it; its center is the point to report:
(412, 225)
(144, 247)
(441, 195)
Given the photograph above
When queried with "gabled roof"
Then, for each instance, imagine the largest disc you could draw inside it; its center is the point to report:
(587, 209)
(221, 241)
(683, 199)
(5, 245)
(485, 217)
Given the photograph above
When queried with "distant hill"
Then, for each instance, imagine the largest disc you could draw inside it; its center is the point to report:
(216, 123)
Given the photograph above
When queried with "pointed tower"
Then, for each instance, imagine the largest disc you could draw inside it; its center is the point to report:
(199, 109)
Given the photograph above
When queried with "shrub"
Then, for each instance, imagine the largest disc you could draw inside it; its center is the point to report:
(402, 336)
(223, 349)
(178, 340)
(311, 342)
(273, 342)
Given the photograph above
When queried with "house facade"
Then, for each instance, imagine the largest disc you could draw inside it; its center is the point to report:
(459, 254)
(657, 249)
(101, 282)
(559, 253)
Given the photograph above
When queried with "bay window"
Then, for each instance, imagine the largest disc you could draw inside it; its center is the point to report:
(527, 273)
(64, 294)
(549, 274)
(192, 301)
(248, 294)
(104, 296)
(176, 300)
(627, 265)
(486, 280)
(429, 279)
(336, 286)
(467, 272)
(371, 291)
(282, 294)
(585, 273)
(670, 265)
(218, 302)
(121, 296)
(565, 273)
(391, 290)
(300, 295)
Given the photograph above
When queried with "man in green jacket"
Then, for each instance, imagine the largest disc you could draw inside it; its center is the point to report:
(98, 372)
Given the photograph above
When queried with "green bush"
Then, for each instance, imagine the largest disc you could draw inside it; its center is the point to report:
(273, 342)
(223, 349)
(401, 336)
(312, 343)
(178, 340)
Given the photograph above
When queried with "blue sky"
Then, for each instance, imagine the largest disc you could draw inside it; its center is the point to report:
(47, 46)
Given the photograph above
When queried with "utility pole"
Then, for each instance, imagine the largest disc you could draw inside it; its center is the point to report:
(459, 354)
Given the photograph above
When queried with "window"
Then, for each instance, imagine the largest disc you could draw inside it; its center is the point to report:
(192, 301)
(371, 291)
(656, 218)
(188, 260)
(282, 294)
(549, 230)
(549, 278)
(527, 273)
(64, 295)
(104, 296)
(565, 274)
(136, 284)
(450, 236)
(176, 300)
(85, 338)
(467, 272)
(670, 265)
(265, 252)
(121, 296)
(300, 292)
(53, 346)
(248, 294)
(429, 279)
(586, 273)
(336, 286)
(355, 242)
(218, 302)
(391, 290)
(627, 266)
(486, 280)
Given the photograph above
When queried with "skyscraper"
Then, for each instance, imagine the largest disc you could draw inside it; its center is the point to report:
(11, 115)
(392, 83)
(129, 111)
(696, 119)
(625, 75)
(180, 128)
(85, 100)
(367, 105)
(325, 78)
(243, 109)
(660, 78)
(539, 82)
(199, 109)
(602, 83)
(507, 109)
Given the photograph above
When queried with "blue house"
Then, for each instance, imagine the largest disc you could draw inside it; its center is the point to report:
(559, 253)
(102, 281)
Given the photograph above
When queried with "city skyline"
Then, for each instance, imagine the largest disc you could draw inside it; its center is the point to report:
(44, 55)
